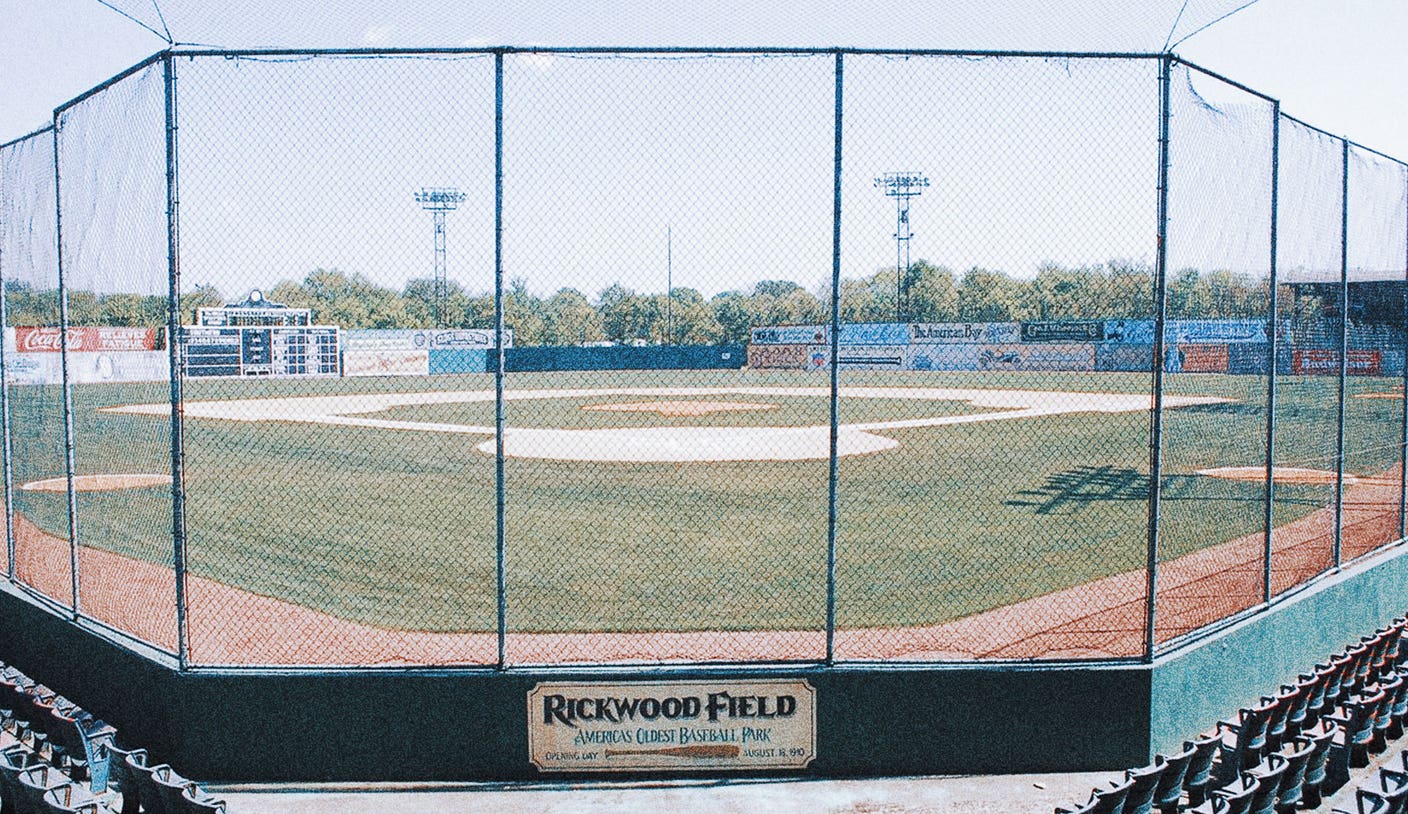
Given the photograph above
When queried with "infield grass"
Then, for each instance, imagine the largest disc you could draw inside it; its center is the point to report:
(397, 528)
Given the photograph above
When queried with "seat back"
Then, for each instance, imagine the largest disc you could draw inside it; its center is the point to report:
(1238, 794)
(1293, 781)
(1170, 786)
(1369, 802)
(148, 792)
(1111, 800)
(1143, 783)
(1268, 777)
(14, 760)
(1394, 787)
(34, 782)
(70, 798)
(171, 786)
(1199, 773)
(198, 802)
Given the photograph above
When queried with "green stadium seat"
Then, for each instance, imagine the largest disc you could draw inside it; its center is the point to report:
(1268, 776)
(1144, 783)
(1243, 741)
(198, 802)
(1292, 791)
(1199, 774)
(1170, 788)
(1320, 736)
(34, 782)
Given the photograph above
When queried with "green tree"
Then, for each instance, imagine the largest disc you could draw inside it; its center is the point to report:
(571, 319)
(986, 296)
(931, 293)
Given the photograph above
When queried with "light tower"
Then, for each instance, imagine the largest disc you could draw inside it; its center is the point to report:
(437, 201)
(902, 186)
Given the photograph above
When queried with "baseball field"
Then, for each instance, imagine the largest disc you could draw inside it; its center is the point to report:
(669, 502)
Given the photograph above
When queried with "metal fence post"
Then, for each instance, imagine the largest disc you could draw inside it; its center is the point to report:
(1160, 315)
(66, 387)
(500, 535)
(1273, 350)
(1344, 354)
(6, 444)
(1403, 443)
(173, 348)
(833, 472)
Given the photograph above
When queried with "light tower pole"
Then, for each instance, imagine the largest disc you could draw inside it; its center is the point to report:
(902, 186)
(437, 201)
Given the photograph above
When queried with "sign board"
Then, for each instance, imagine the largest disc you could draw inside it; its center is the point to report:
(672, 725)
(96, 339)
(995, 333)
(785, 357)
(1077, 331)
(791, 335)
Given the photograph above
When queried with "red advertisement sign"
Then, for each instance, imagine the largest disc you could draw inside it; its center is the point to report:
(89, 339)
(1327, 362)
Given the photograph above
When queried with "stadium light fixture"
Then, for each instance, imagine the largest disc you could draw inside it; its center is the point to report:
(437, 201)
(903, 187)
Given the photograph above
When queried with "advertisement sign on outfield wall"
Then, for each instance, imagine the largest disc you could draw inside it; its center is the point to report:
(1089, 330)
(386, 362)
(1216, 330)
(85, 339)
(875, 333)
(777, 357)
(482, 338)
(857, 357)
(88, 368)
(987, 333)
(1068, 356)
(1130, 331)
(791, 335)
(1201, 358)
(360, 340)
(943, 357)
(1326, 362)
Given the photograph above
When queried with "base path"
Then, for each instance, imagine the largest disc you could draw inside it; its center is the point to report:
(1105, 618)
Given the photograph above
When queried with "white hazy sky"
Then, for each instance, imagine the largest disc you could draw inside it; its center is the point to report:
(1337, 65)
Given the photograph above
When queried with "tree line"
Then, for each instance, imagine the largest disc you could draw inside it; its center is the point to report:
(619, 314)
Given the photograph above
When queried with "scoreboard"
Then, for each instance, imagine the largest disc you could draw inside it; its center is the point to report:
(259, 338)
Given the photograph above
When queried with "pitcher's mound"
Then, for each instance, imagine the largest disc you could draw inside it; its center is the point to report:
(1279, 474)
(98, 483)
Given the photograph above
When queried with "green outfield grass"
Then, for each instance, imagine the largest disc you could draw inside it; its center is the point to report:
(397, 528)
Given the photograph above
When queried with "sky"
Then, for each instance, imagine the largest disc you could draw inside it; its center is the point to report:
(1030, 164)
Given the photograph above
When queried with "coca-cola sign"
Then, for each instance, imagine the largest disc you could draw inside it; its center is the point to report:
(89, 339)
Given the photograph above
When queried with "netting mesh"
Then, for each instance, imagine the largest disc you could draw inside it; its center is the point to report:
(29, 273)
(112, 191)
(665, 228)
(955, 501)
(1216, 351)
(1310, 325)
(323, 536)
(1377, 234)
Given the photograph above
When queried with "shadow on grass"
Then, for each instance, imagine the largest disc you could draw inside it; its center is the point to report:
(1075, 490)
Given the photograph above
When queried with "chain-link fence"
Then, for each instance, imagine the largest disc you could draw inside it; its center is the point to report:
(504, 357)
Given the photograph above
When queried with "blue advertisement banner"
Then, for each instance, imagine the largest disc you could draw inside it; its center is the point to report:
(1216, 330)
(875, 333)
(1073, 331)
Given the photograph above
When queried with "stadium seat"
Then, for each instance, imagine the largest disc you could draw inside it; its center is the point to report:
(1398, 710)
(1199, 774)
(1292, 792)
(1356, 717)
(120, 775)
(1144, 782)
(198, 802)
(1320, 736)
(34, 781)
(1281, 704)
(1392, 686)
(1302, 694)
(1233, 798)
(1367, 802)
(1392, 786)
(1268, 776)
(70, 798)
(147, 792)
(1242, 742)
(1104, 800)
(171, 787)
(84, 739)
(13, 760)
(1170, 788)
